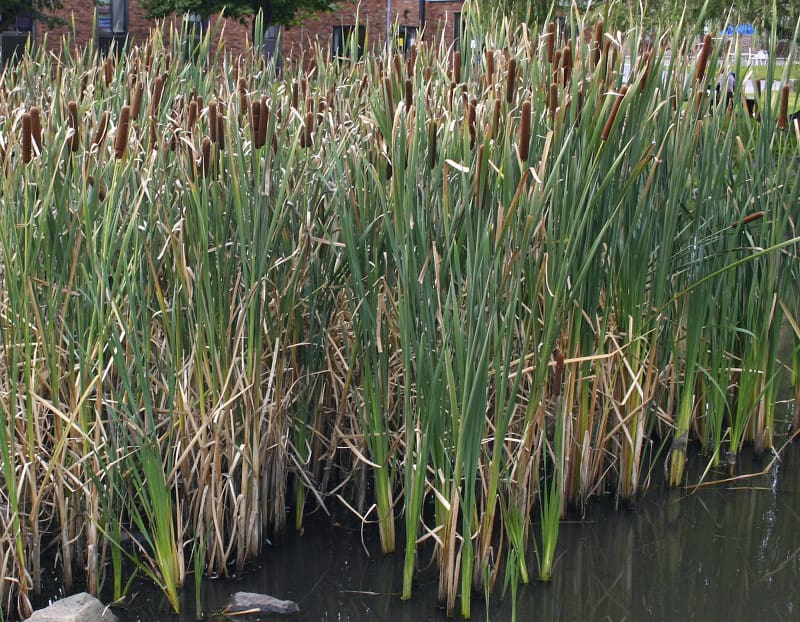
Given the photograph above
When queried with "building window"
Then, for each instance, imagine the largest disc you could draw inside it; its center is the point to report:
(112, 16)
(272, 45)
(347, 41)
(24, 22)
(406, 38)
(456, 31)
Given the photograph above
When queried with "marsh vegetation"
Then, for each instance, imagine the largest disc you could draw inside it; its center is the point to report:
(451, 292)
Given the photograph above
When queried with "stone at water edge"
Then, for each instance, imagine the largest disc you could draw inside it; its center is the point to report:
(260, 603)
(81, 607)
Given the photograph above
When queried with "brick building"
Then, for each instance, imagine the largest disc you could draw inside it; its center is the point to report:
(371, 21)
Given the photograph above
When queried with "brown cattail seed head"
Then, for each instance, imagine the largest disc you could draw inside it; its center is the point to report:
(471, 114)
(137, 100)
(255, 118)
(495, 127)
(263, 121)
(309, 127)
(557, 66)
(121, 138)
(566, 61)
(398, 66)
(489, 67)
(456, 74)
(648, 64)
(74, 141)
(36, 127)
(550, 41)
(615, 108)
(525, 131)
(597, 42)
(295, 95)
(26, 138)
(783, 111)
(552, 99)
(511, 80)
(558, 372)
(155, 98)
(109, 71)
(702, 59)
(102, 128)
(192, 115)
(220, 132)
(409, 98)
(205, 156)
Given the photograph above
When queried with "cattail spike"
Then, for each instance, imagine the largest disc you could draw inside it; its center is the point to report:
(220, 132)
(610, 121)
(26, 138)
(192, 115)
(36, 128)
(255, 114)
(702, 59)
(121, 138)
(525, 131)
(205, 157)
(550, 42)
(305, 140)
(597, 42)
(783, 114)
(511, 80)
(263, 121)
(102, 128)
(74, 141)
(137, 101)
(456, 73)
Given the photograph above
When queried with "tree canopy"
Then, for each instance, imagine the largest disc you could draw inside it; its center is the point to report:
(40, 10)
(275, 11)
(659, 14)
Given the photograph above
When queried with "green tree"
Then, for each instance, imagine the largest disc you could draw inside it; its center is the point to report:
(660, 14)
(275, 11)
(41, 10)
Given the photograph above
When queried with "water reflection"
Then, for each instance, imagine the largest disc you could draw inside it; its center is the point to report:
(728, 552)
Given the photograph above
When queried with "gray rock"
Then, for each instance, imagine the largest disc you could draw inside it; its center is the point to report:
(81, 607)
(250, 602)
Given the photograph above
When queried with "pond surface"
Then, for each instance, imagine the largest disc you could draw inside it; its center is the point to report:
(730, 551)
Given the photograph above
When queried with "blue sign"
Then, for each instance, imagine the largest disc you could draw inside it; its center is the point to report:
(741, 29)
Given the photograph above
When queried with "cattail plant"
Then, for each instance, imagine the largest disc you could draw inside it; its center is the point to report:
(102, 128)
(511, 80)
(702, 58)
(618, 97)
(136, 106)
(525, 132)
(36, 127)
(121, 136)
(476, 313)
(74, 140)
(783, 110)
(597, 43)
(26, 138)
(550, 42)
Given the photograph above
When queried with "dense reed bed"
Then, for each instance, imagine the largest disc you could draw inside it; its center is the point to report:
(453, 294)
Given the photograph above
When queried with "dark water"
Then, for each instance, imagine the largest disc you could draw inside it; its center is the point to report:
(724, 552)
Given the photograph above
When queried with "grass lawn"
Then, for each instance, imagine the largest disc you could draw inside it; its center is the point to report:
(759, 72)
